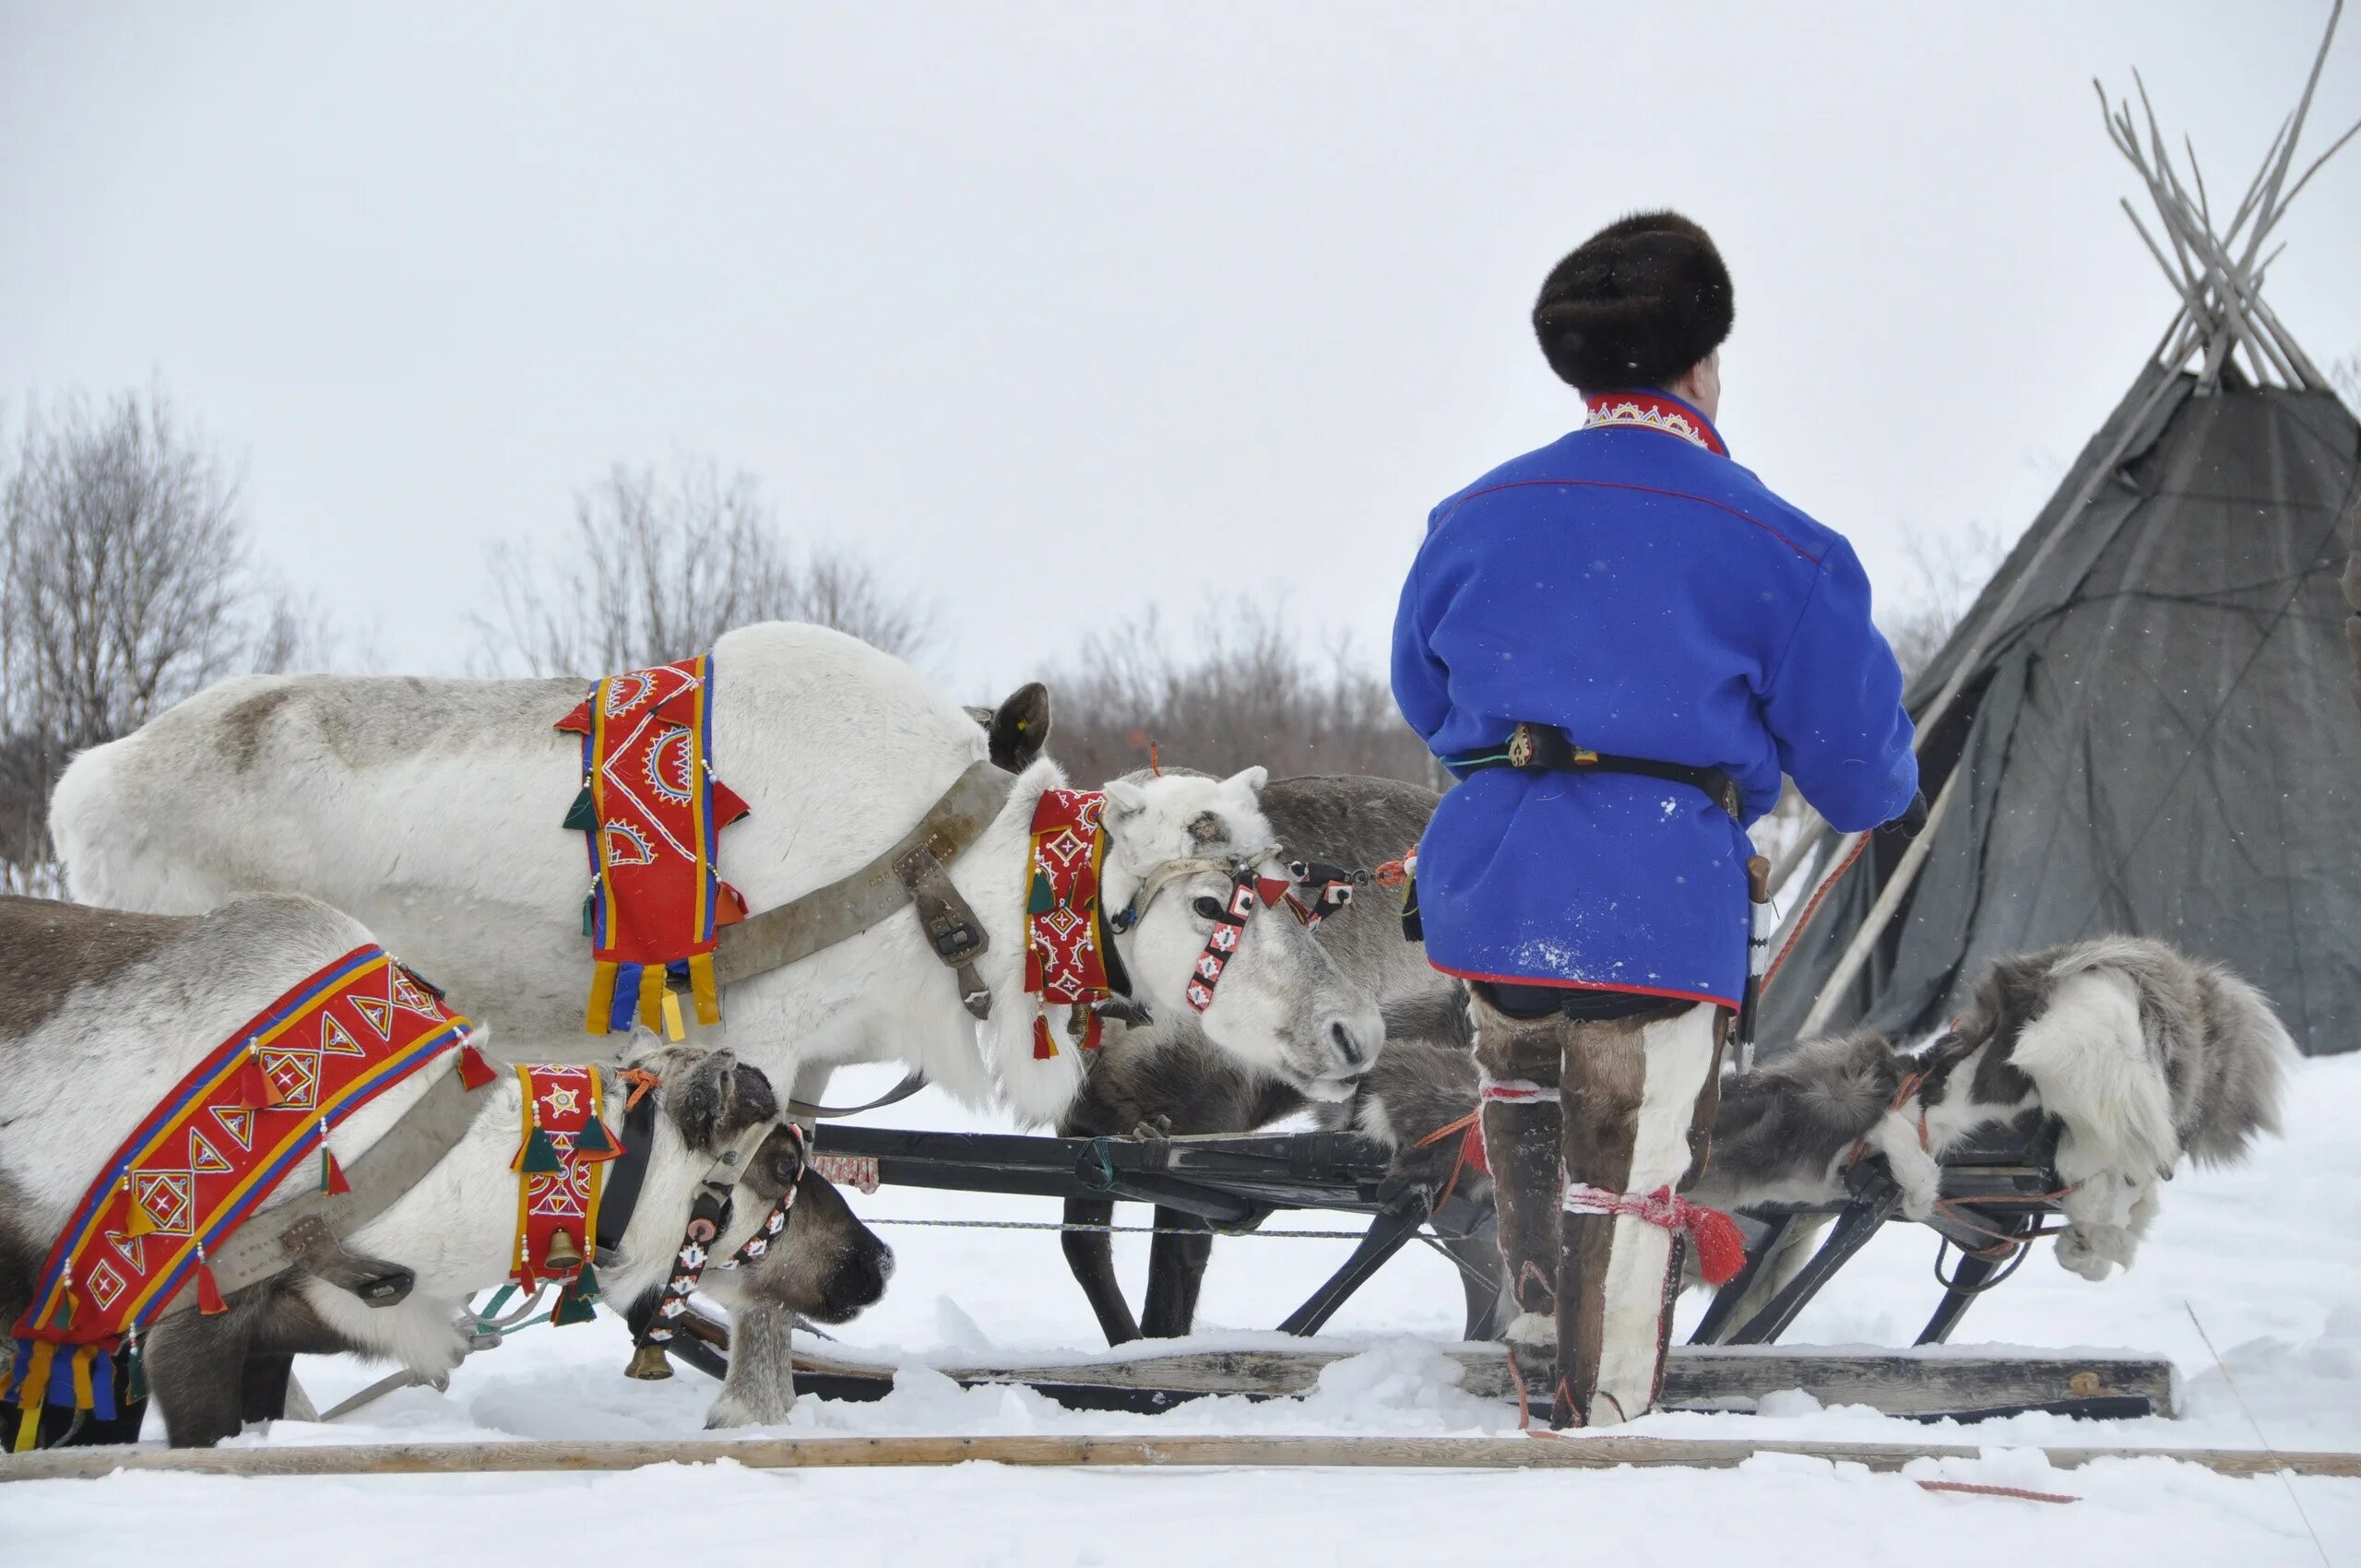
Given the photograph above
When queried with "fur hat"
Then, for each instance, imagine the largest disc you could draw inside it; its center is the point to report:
(1635, 304)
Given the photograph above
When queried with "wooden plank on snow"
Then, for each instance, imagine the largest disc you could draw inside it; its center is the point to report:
(1538, 1452)
(1900, 1382)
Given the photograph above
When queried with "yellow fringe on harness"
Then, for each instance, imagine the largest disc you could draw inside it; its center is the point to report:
(702, 988)
(30, 1396)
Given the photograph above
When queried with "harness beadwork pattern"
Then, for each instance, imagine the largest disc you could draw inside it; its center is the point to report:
(1064, 960)
(561, 1171)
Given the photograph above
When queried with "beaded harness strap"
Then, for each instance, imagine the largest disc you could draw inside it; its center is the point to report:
(1249, 887)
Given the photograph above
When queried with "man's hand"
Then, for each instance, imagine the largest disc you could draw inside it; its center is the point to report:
(1913, 820)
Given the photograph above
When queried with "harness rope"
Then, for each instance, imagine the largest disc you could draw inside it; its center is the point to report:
(1960, 1211)
(1721, 1248)
(1811, 907)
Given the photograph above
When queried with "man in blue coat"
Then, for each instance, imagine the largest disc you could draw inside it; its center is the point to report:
(1618, 643)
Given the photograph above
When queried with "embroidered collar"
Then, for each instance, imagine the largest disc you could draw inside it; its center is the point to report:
(1654, 411)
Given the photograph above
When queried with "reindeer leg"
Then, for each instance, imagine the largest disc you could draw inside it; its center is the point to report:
(285, 1326)
(1520, 1141)
(1091, 1255)
(1631, 1092)
(1176, 1272)
(197, 1367)
(262, 1386)
(759, 1389)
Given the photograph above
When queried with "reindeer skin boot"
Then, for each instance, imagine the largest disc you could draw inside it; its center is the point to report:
(1632, 1089)
(1520, 1059)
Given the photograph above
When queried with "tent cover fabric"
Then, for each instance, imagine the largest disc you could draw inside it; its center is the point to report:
(2163, 738)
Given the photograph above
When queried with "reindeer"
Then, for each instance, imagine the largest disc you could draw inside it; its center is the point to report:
(429, 808)
(2143, 1056)
(1164, 1078)
(114, 1009)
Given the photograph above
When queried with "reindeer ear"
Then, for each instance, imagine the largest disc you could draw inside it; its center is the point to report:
(1252, 780)
(1020, 727)
(698, 1096)
(751, 1100)
(1125, 798)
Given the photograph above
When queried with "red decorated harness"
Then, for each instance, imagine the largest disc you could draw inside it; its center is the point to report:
(560, 1174)
(651, 810)
(1066, 945)
(216, 1147)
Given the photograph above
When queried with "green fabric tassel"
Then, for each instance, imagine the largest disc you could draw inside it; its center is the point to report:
(593, 1139)
(591, 912)
(574, 1302)
(540, 1154)
(1038, 900)
(582, 817)
(134, 1384)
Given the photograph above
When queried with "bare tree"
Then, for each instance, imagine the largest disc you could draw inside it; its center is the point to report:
(659, 564)
(127, 588)
(1951, 570)
(1249, 693)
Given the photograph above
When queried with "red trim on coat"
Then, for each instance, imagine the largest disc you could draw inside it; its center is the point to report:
(1729, 1002)
(1644, 490)
(1653, 410)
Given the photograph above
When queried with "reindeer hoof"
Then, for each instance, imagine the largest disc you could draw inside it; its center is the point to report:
(729, 1412)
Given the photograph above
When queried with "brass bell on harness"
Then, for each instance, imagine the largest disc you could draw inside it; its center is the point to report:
(648, 1363)
(563, 1256)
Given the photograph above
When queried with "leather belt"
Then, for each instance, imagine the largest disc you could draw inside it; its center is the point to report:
(1544, 748)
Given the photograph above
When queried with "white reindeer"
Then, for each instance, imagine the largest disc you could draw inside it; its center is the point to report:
(429, 809)
(114, 1009)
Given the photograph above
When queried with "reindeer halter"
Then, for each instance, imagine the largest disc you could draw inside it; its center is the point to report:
(708, 1217)
(1250, 887)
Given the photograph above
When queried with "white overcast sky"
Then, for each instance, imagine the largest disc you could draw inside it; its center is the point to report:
(1060, 312)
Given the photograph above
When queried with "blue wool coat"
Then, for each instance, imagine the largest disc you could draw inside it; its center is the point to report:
(1633, 586)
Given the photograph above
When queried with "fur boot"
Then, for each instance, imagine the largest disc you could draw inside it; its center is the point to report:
(1633, 1090)
(1520, 1059)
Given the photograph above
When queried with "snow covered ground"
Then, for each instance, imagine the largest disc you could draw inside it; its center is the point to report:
(2266, 1259)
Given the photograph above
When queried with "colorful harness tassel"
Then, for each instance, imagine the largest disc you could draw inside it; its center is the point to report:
(651, 809)
(205, 1159)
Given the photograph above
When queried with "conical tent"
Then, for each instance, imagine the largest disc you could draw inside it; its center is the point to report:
(2147, 723)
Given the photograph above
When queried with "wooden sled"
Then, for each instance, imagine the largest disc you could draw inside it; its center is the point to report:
(1998, 1192)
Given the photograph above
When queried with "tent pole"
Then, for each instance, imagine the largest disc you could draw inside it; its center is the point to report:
(1889, 899)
